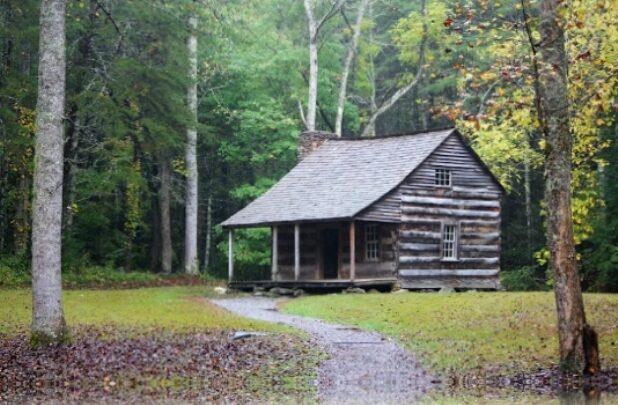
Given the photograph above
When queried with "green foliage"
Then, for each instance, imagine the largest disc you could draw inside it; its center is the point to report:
(251, 253)
(104, 277)
(126, 112)
(14, 271)
(527, 278)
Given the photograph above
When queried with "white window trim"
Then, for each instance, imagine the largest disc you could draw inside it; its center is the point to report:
(455, 256)
(450, 177)
(376, 241)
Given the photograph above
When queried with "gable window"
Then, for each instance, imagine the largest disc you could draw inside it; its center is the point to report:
(372, 242)
(450, 237)
(443, 177)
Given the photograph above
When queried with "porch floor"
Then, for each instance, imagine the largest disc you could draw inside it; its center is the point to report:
(326, 284)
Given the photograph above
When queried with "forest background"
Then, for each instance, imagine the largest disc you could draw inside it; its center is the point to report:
(414, 65)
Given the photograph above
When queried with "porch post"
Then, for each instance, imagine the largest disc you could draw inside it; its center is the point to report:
(352, 251)
(275, 256)
(230, 255)
(296, 251)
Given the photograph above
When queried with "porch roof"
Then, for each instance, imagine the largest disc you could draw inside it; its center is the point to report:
(339, 179)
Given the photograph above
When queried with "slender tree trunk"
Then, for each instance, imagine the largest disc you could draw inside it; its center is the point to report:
(528, 199)
(551, 66)
(343, 87)
(370, 130)
(191, 202)
(69, 172)
(312, 98)
(22, 215)
(208, 238)
(3, 193)
(47, 315)
(155, 244)
(165, 179)
(22, 210)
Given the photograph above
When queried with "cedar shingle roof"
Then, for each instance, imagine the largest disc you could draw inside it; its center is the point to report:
(339, 179)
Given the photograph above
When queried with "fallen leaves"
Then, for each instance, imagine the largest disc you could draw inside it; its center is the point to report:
(134, 365)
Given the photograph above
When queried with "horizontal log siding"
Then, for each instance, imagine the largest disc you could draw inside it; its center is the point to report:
(387, 209)
(309, 254)
(386, 266)
(473, 202)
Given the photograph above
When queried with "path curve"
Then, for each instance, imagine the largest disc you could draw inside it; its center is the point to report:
(362, 368)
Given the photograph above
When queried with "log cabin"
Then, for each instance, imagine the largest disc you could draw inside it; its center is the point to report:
(419, 210)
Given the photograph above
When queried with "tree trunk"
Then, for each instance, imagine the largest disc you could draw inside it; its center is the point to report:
(343, 87)
(22, 214)
(70, 153)
(3, 193)
(208, 238)
(191, 202)
(370, 130)
(155, 244)
(48, 323)
(313, 66)
(528, 199)
(165, 179)
(553, 108)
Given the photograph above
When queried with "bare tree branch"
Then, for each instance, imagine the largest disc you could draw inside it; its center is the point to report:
(385, 106)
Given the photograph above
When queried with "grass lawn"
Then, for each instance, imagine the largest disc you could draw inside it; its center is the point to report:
(497, 331)
(175, 308)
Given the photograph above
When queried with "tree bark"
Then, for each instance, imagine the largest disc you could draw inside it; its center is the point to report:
(48, 324)
(528, 199)
(370, 130)
(313, 66)
(550, 67)
(391, 101)
(70, 154)
(208, 237)
(314, 27)
(165, 179)
(3, 193)
(343, 87)
(22, 215)
(191, 261)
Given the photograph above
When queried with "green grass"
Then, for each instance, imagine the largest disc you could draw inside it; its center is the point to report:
(495, 331)
(175, 308)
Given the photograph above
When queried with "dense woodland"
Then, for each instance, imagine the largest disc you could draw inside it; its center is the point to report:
(382, 67)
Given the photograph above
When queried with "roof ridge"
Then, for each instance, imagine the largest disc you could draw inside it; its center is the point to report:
(377, 137)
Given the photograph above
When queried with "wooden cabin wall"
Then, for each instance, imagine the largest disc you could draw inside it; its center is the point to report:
(309, 252)
(473, 202)
(386, 266)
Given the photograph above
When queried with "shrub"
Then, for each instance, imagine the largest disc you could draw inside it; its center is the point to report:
(14, 271)
(527, 278)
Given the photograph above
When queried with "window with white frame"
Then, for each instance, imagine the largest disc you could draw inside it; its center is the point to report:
(449, 241)
(372, 242)
(443, 177)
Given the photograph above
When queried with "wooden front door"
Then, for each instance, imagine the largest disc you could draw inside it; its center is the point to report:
(330, 253)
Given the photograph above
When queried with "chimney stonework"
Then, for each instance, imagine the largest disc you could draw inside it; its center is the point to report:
(310, 141)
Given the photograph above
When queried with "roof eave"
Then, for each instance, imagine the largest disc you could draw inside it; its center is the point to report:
(283, 223)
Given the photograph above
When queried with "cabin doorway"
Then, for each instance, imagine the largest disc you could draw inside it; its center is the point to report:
(330, 253)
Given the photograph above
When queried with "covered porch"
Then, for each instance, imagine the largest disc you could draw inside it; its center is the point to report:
(326, 255)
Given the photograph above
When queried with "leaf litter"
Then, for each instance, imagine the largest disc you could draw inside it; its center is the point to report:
(134, 365)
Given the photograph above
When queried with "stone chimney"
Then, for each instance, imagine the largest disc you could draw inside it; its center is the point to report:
(310, 141)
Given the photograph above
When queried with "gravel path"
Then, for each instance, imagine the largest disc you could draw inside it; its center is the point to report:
(363, 367)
